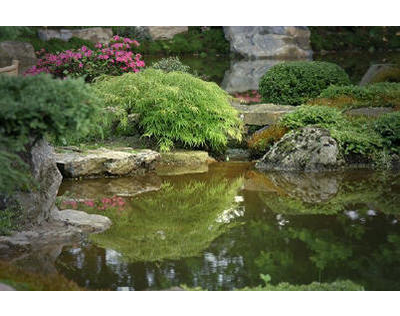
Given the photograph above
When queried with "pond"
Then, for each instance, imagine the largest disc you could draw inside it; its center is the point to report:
(222, 228)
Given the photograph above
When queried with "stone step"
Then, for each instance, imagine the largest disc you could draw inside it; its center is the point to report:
(262, 114)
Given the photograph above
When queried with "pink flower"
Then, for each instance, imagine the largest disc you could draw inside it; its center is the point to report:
(80, 65)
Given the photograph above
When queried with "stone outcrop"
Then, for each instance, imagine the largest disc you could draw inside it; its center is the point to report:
(93, 34)
(37, 204)
(262, 114)
(307, 149)
(380, 73)
(269, 41)
(106, 162)
(165, 32)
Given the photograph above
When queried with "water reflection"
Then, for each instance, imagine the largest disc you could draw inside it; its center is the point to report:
(217, 231)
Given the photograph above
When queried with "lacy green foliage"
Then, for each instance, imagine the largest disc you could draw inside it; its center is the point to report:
(56, 45)
(31, 107)
(352, 37)
(136, 32)
(176, 222)
(211, 41)
(175, 108)
(296, 82)
(25, 281)
(382, 94)
(355, 136)
(171, 64)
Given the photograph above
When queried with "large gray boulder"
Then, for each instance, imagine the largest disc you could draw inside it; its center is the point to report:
(380, 73)
(36, 205)
(307, 149)
(269, 41)
(262, 114)
(87, 222)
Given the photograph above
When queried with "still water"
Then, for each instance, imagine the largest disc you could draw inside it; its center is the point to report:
(221, 229)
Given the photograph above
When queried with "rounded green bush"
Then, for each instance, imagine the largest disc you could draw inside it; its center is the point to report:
(296, 82)
(174, 108)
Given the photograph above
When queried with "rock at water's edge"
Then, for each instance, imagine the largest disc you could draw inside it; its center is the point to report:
(307, 149)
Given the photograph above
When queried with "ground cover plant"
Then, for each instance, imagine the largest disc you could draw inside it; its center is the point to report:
(384, 94)
(175, 109)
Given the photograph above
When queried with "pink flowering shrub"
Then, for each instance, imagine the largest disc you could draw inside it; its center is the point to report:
(113, 59)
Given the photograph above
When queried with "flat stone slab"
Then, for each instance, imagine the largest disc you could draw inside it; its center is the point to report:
(370, 112)
(102, 161)
(183, 162)
(262, 114)
(88, 222)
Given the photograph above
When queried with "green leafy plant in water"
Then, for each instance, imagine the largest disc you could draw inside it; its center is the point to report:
(176, 222)
(175, 108)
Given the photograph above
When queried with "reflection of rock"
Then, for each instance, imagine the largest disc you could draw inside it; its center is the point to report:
(269, 41)
(309, 187)
(103, 161)
(380, 73)
(257, 181)
(108, 187)
(245, 75)
(306, 149)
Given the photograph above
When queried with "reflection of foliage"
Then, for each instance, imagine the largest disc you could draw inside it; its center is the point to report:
(173, 223)
(26, 281)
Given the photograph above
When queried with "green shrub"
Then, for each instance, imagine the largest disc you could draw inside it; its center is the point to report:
(175, 108)
(383, 94)
(388, 127)
(9, 33)
(32, 107)
(296, 82)
(355, 136)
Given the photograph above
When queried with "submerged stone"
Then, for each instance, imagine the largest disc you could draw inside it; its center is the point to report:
(306, 149)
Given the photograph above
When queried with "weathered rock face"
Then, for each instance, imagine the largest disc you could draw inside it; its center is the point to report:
(98, 162)
(380, 73)
(306, 149)
(93, 34)
(36, 205)
(165, 32)
(262, 114)
(23, 52)
(269, 41)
